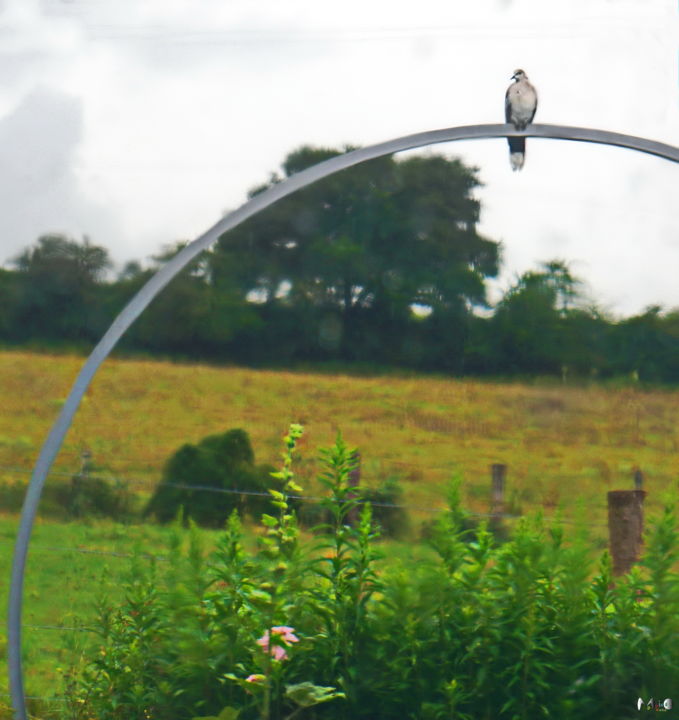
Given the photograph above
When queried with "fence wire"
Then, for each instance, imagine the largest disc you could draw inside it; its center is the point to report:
(42, 699)
(137, 483)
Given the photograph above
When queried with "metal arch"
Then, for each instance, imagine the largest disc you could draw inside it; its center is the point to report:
(147, 293)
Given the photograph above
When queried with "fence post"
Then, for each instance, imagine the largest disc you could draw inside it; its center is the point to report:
(85, 462)
(354, 481)
(497, 496)
(75, 502)
(625, 528)
(638, 479)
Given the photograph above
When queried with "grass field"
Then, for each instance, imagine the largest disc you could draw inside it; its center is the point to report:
(61, 587)
(563, 446)
(560, 443)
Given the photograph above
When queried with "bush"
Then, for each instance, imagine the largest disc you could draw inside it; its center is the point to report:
(83, 496)
(88, 496)
(218, 462)
(12, 496)
(391, 521)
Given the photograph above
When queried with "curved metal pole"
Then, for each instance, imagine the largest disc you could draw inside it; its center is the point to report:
(141, 300)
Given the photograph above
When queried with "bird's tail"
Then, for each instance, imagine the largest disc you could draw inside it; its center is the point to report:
(517, 152)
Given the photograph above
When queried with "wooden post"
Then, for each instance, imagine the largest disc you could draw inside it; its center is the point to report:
(497, 499)
(497, 496)
(77, 482)
(625, 527)
(638, 479)
(85, 462)
(354, 481)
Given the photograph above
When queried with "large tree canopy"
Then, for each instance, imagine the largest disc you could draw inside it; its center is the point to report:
(338, 272)
(387, 233)
(55, 295)
(351, 255)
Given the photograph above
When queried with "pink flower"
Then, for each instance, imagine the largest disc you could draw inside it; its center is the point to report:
(278, 653)
(285, 635)
(255, 678)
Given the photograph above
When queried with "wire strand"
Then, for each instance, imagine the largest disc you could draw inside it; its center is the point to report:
(235, 491)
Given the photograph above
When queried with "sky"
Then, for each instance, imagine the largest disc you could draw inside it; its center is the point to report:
(141, 122)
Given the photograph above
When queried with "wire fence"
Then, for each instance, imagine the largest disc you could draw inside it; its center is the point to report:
(87, 475)
(42, 699)
(137, 483)
(93, 551)
(316, 499)
(73, 628)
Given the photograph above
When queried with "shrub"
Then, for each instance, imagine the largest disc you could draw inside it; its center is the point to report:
(87, 496)
(391, 520)
(12, 496)
(83, 496)
(218, 462)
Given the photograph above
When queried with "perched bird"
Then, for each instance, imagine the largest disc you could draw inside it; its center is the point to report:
(521, 102)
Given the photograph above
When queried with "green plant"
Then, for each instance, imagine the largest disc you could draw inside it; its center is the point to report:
(348, 577)
(97, 497)
(279, 599)
(126, 677)
(482, 631)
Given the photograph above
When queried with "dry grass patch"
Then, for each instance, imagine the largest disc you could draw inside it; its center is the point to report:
(560, 443)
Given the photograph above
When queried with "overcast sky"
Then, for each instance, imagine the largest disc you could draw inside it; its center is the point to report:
(140, 122)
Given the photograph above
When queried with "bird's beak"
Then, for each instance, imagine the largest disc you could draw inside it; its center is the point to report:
(513, 77)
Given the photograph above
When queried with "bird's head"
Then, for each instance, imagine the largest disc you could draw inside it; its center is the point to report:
(519, 75)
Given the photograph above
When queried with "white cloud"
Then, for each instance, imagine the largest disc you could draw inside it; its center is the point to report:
(38, 184)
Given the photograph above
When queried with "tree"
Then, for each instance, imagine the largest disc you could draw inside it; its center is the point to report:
(557, 275)
(58, 282)
(531, 327)
(190, 317)
(8, 291)
(647, 344)
(362, 247)
(526, 326)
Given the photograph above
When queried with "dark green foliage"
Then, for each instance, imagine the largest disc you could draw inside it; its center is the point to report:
(385, 500)
(333, 275)
(55, 296)
(220, 462)
(392, 521)
(518, 631)
(82, 497)
(357, 250)
(97, 497)
(12, 496)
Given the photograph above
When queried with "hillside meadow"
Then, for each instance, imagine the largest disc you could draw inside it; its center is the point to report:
(562, 444)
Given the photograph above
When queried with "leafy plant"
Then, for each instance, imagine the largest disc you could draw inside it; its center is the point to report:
(332, 629)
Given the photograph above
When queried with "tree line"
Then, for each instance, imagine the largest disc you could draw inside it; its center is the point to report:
(380, 265)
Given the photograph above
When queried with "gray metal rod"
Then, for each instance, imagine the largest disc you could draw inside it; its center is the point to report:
(141, 300)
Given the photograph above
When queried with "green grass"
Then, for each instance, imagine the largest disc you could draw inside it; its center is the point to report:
(61, 586)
